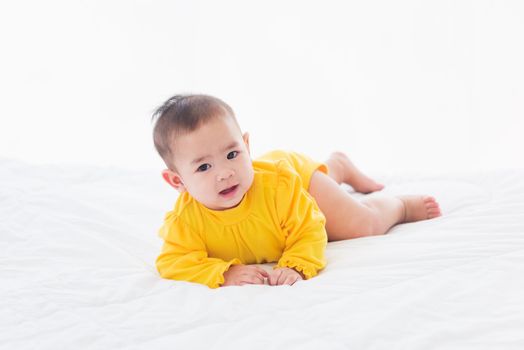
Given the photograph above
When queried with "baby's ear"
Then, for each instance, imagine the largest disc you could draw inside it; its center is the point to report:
(173, 179)
(245, 136)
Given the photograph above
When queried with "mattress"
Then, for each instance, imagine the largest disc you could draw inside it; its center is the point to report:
(78, 246)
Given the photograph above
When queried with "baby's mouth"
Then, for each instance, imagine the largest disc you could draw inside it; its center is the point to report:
(228, 190)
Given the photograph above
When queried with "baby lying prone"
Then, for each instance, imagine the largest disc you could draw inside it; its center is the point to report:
(283, 207)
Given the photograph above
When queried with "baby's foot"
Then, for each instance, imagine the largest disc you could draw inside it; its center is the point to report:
(418, 208)
(364, 184)
(352, 176)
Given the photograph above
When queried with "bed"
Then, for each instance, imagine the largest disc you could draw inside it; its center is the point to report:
(78, 245)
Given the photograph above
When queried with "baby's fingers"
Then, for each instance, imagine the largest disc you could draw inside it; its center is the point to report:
(263, 272)
(273, 277)
(260, 273)
(262, 277)
(283, 277)
(253, 277)
(291, 279)
(288, 276)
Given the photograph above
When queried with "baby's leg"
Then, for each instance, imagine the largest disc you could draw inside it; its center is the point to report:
(348, 218)
(342, 170)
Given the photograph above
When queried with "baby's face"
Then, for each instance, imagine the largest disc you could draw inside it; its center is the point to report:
(214, 164)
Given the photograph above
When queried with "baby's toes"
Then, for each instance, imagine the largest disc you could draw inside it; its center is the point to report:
(432, 207)
(434, 213)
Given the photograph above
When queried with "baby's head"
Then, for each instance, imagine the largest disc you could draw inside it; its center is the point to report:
(205, 152)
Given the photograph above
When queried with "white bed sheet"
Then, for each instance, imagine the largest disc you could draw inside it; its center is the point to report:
(78, 245)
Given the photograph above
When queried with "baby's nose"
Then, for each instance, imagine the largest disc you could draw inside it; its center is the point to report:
(225, 174)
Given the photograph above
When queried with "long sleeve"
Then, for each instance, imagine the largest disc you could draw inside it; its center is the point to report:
(184, 256)
(303, 224)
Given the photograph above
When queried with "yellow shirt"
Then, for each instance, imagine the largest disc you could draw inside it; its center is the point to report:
(276, 221)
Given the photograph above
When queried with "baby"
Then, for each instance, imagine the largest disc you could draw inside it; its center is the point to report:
(283, 207)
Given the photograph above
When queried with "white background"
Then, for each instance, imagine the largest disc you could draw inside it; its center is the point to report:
(428, 86)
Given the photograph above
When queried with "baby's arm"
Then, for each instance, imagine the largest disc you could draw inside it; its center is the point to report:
(184, 256)
(304, 227)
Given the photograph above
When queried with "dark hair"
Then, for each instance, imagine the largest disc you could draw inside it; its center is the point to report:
(181, 114)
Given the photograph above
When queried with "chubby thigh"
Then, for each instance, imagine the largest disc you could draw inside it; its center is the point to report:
(346, 217)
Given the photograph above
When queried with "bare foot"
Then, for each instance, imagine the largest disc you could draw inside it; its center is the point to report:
(348, 173)
(418, 208)
(364, 184)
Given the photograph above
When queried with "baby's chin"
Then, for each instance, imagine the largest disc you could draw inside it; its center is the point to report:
(235, 204)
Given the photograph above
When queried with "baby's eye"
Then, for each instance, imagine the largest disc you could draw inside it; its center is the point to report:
(204, 167)
(232, 154)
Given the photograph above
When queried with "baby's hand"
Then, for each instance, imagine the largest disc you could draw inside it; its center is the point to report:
(284, 275)
(238, 275)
